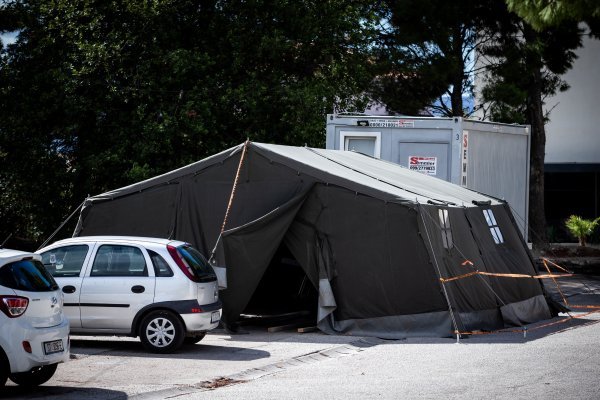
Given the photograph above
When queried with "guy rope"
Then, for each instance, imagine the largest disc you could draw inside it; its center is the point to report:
(235, 182)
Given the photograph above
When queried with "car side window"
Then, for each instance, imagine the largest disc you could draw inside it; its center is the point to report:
(161, 267)
(118, 260)
(65, 261)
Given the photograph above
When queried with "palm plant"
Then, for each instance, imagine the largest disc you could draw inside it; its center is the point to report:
(581, 228)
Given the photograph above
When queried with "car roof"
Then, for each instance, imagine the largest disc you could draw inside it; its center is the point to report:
(10, 255)
(126, 239)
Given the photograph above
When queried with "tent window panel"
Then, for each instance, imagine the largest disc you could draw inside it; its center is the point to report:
(497, 235)
(445, 228)
(494, 228)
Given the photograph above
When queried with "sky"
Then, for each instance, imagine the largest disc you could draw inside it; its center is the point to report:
(8, 37)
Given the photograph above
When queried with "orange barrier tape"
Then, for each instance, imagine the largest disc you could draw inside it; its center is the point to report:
(500, 275)
(544, 260)
(592, 307)
(459, 277)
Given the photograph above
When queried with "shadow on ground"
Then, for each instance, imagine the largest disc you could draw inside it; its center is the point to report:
(49, 392)
(83, 347)
(579, 291)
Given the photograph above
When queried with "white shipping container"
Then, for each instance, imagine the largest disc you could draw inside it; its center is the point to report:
(487, 157)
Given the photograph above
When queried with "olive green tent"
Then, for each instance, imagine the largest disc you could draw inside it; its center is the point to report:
(381, 245)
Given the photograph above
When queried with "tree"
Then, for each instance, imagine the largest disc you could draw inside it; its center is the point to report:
(525, 66)
(100, 94)
(425, 54)
(542, 14)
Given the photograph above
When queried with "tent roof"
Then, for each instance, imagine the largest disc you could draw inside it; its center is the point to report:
(354, 171)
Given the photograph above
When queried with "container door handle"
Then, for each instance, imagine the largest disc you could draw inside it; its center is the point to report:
(69, 289)
(138, 289)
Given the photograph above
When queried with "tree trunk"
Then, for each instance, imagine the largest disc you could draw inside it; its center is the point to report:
(535, 116)
(456, 99)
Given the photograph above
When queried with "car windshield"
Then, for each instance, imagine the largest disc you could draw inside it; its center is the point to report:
(197, 262)
(27, 275)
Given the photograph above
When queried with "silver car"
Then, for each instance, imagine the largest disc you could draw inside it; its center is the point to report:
(34, 333)
(161, 290)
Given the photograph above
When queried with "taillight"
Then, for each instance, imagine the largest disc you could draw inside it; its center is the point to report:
(13, 306)
(27, 346)
(182, 264)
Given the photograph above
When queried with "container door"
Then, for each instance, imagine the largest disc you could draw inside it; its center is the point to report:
(427, 158)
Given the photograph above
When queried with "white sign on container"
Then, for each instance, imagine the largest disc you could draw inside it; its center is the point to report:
(425, 165)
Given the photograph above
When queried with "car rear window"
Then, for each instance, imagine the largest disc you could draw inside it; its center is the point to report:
(27, 275)
(197, 262)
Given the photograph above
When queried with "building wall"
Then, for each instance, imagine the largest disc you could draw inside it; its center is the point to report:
(573, 133)
(572, 170)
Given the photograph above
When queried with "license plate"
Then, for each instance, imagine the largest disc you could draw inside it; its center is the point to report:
(215, 317)
(55, 346)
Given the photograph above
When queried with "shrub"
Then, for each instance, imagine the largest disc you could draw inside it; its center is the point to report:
(581, 228)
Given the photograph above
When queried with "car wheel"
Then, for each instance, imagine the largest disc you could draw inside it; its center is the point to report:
(4, 369)
(194, 339)
(35, 377)
(162, 332)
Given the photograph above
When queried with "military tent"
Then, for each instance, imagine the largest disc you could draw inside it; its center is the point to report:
(389, 252)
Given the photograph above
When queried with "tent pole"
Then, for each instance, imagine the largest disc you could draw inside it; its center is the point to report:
(437, 267)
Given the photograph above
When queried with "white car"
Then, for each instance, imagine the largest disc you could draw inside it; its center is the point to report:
(34, 334)
(163, 291)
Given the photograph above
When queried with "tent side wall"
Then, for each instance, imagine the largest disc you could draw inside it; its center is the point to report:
(503, 251)
(450, 240)
(149, 213)
(485, 239)
(192, 207)
(370, 254)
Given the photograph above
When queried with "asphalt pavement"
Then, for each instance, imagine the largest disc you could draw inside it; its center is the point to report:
(556, 359)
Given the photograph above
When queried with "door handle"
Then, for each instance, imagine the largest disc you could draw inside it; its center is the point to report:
(69, 289)
(138, 289)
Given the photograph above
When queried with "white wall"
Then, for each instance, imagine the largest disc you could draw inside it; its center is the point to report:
(573, 133)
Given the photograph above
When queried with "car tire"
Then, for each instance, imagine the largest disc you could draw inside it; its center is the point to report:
(4, 369)
(35, 377)
(162, 332)
(194, 339)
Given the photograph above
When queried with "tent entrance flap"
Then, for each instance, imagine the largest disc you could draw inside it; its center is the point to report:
(247, 251)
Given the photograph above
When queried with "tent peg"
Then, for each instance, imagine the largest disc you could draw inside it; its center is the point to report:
(525, 332)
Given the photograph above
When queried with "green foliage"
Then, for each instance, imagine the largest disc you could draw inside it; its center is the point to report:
(524, 67)
(99, 94)
(424, 52)
(542, 14)
(581, 228)
(517, 53)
